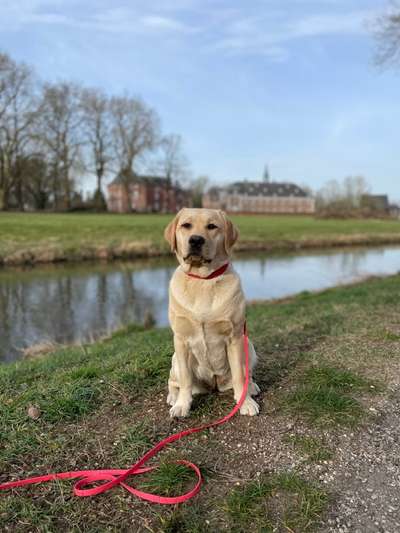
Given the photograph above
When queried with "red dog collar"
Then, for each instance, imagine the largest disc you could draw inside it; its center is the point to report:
(221, 270)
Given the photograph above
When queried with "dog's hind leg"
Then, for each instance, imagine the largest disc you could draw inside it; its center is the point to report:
(254, 389)
(224, 382)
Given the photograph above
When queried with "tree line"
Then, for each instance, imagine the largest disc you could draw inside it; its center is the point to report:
(52, 134)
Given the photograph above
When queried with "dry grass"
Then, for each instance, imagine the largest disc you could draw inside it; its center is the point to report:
(39, 349)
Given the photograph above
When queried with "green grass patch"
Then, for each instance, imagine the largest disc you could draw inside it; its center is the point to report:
(88, 372)
(133, 442)
(169, 479)
(69, 404)
(278, 502)
(385, 335)
(325, 395)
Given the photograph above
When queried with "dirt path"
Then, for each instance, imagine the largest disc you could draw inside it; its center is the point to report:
(366, 475)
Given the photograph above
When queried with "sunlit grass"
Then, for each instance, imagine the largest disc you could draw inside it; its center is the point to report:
(76, 235)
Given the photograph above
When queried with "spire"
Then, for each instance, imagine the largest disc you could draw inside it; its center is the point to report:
(266, 176)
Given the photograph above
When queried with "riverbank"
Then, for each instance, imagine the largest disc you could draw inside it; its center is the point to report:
(329, 374)
(32, 238)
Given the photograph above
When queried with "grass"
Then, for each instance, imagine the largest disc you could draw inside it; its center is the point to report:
(386, 335)
(69, 404)
(325, 395)
(169, 479)
(35, 237)
(278, 502)
(133, 442)
(102, 405)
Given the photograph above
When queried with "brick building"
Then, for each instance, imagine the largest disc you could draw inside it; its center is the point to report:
(379, 205)
(376, 203)
(145, 194)
(260, 197)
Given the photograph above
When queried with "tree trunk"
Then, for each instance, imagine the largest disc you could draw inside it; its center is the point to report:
(19, 191)
(99, 179)
(67, 192)
(4, 199)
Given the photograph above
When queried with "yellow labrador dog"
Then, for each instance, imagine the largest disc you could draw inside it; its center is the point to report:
(207, 315)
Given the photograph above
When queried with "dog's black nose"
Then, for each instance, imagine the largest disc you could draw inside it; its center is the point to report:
(196, 241)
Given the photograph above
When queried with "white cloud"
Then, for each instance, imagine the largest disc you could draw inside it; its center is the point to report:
(24, 13)
(319, 25)
(164, 23)
(270, 34)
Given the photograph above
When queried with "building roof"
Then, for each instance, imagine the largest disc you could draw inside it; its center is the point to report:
(214, 192)
(130, 177)
(380, 197)
(260, 188)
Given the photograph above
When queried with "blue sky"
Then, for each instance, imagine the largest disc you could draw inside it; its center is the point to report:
(290, 83)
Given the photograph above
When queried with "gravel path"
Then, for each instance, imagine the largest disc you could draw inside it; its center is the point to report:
(366, 475)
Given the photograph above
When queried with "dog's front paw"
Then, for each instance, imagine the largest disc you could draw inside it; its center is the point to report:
(171, 398)
(250, 407)
(179, 410)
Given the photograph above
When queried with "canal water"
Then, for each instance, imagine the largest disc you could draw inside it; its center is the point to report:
(72, 304)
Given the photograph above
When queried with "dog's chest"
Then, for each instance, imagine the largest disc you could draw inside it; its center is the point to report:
(203, 314)
(206, 335)
(206, 301)
(207, 344)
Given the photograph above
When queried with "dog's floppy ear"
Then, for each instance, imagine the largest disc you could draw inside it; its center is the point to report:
(170, 232)
(231, 233)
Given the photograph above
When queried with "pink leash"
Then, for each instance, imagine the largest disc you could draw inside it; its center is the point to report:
(117, 477)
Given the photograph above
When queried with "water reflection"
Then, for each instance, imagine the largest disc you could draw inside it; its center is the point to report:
(67, 304)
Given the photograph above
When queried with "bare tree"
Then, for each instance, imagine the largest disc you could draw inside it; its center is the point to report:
(48, 131)
(198, 188)
(6, 67)
(342, 197)
(174, 164)
(387, 33)
(135, 128)
(354, 187)
(98, 134)
(169, 160)
(18, 111)
(60, 132)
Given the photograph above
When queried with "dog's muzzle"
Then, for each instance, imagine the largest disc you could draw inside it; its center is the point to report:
(195, 255)
(196, 243)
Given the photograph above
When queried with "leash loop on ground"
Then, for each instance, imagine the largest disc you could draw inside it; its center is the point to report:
(114, 477)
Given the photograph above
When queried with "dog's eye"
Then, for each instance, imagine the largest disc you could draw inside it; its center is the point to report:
(211, 226)
(187, 225)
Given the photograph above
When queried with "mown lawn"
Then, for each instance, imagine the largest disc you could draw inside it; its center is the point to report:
(83, 236)
(323, 361)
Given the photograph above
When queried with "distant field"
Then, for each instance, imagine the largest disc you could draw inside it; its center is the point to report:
(30, 238)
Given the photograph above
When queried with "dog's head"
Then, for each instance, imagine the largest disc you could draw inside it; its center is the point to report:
(201, 237)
